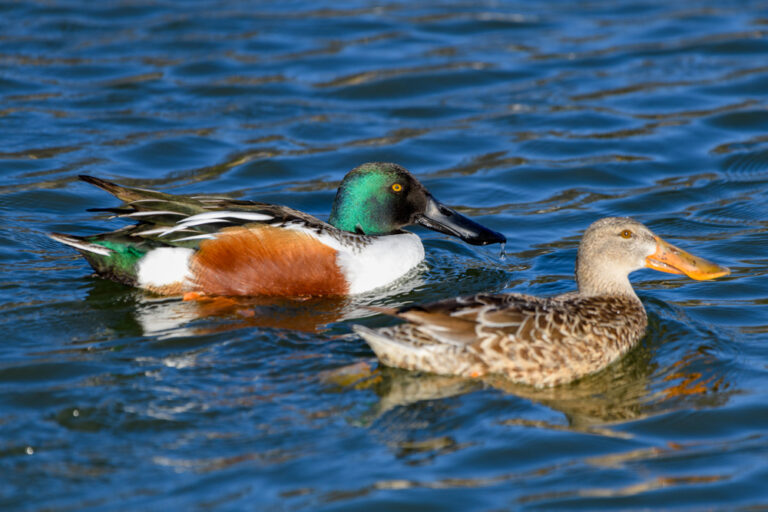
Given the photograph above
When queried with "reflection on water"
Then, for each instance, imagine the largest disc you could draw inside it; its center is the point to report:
(174, 317)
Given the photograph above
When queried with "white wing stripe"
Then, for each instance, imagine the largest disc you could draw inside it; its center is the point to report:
(150, 231)
(195, 237)
(158, 212)
(228, 215)
(210, 218)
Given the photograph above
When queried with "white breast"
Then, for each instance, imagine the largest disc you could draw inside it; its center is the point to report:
(384, 260)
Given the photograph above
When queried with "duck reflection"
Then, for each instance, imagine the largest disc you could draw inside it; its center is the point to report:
(616, 395)
(166, 317)
(169, 318)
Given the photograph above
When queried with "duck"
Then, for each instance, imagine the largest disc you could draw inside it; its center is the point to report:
(541, 341)
(197, 245)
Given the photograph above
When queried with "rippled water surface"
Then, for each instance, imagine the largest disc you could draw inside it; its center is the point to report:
(534, 117)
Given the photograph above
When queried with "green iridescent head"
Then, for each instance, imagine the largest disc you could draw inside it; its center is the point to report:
(382, 198)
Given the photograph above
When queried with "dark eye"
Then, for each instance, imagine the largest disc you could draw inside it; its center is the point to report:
(626, 234)
(397, 187)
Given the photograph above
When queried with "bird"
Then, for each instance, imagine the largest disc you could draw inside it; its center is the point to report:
(197, 245)
(541, 341)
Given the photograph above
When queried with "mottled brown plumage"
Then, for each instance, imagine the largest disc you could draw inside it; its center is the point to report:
(541, 341)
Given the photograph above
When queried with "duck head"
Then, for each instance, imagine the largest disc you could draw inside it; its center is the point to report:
(382, 198)
(613, 247)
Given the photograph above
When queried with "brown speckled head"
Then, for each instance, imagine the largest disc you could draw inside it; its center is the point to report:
(613, 247)
(610, 250)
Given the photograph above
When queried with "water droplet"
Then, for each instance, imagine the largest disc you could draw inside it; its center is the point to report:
(75, 413)
(29, 450)
(502, 254)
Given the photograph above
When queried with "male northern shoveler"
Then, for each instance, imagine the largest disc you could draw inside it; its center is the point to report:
(541, 341)
(219, 246)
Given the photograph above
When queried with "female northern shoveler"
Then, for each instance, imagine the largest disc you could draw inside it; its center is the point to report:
(219, 246)
(541, 341)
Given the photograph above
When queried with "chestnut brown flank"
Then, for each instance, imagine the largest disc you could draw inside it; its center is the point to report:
(264, 260)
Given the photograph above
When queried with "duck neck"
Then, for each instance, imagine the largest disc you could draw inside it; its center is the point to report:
(607, 280)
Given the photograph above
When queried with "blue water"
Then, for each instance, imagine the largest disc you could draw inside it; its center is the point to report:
(536, 118)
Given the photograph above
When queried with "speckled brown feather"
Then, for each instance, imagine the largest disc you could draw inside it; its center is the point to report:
(535, 341)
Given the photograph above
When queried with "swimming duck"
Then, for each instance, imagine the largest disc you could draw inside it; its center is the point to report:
(201, 245)
(539, 341)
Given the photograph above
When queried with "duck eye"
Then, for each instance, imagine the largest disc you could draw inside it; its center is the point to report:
(397, 187)
(626, 234)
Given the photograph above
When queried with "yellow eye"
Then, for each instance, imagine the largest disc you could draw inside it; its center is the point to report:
(626, 234)
(397, 187)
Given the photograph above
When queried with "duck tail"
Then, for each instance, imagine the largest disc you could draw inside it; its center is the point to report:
(398, 346)
(112, 188)
(126, 194)
(385, 347)
(81, 244)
